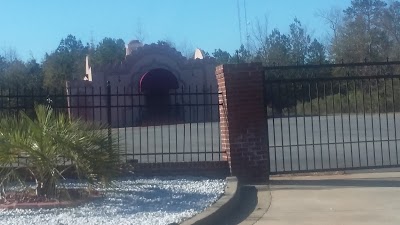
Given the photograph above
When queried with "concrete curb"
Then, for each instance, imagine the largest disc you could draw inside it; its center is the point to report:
(264, 199)
(221, 208)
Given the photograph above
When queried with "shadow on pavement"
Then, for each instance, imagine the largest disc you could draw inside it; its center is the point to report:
(248, 203)
(312, 184)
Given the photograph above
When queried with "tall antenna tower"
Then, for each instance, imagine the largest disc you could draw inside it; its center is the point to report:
(240, 22)
(246, 24)
(92, 44)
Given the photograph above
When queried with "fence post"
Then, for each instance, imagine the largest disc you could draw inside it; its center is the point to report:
(109, 122)
(244, 132)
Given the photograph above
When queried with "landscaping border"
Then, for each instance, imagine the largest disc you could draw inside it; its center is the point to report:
(221, 208)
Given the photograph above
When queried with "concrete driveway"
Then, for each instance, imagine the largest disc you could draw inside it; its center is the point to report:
(347, 199)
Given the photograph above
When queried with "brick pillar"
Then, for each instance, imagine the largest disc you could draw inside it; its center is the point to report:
(243, 120)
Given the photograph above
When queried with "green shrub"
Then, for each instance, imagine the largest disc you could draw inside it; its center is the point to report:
(49, 141)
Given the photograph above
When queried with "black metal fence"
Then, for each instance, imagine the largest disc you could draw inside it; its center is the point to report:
(175, 126)
(333, 117)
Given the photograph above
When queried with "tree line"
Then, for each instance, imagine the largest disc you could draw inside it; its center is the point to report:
(365, 30)
(66, 62)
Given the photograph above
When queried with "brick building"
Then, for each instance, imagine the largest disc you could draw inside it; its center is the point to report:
(147, 77)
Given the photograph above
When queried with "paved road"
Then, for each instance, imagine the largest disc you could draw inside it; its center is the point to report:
(182, 142)
(302, 143)
(305, 143)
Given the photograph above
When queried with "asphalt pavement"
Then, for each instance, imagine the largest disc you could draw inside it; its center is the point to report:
(334, 142)
(170, 143)
(295, 143)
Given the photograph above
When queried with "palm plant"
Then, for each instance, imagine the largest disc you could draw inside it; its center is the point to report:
(49, 141)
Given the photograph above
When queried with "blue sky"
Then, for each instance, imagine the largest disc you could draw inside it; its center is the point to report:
(33, 28)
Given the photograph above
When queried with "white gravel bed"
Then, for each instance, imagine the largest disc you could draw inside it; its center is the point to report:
(138, 201)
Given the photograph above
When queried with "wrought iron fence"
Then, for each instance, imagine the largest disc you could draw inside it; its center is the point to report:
(175, 126)
(331, 121)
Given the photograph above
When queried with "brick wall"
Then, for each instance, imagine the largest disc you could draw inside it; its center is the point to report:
(243, 120)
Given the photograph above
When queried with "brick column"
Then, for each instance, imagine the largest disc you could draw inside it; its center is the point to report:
(243, 120)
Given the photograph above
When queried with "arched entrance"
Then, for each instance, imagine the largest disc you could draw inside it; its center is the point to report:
(156, 86)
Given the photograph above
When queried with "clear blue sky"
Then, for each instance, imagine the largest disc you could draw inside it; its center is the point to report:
(35, 27)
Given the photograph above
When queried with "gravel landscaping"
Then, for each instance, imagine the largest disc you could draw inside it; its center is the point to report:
(130, 201)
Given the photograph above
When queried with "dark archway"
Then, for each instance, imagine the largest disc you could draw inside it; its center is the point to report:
(156, 86)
